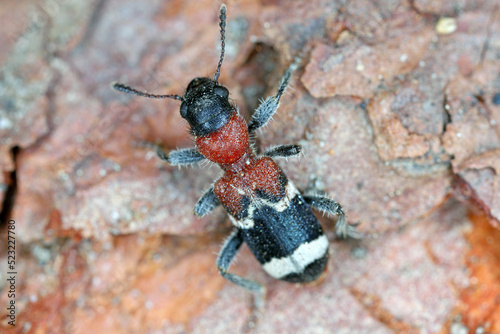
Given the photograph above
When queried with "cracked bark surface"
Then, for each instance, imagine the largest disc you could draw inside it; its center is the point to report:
(397, 112)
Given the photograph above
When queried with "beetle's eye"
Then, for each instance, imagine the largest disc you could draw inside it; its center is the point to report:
(221, 91)
(184, 109)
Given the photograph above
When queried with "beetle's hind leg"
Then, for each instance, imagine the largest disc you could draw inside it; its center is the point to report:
(328, 205)
(226, 256)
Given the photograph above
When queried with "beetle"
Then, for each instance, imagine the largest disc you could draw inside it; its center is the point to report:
(268, 212)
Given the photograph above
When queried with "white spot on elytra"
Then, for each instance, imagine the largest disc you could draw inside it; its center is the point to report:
(282, 205)
(304, 255)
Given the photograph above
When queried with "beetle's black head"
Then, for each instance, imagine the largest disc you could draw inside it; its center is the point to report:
(206, 106)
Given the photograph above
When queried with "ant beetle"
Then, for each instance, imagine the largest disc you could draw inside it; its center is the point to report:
(268, 212)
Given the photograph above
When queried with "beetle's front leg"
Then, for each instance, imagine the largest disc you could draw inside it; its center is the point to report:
(269, 106)
(283, 151)
(182, 157)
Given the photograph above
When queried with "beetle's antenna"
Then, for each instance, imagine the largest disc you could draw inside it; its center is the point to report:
(126, 89)
(222, 25)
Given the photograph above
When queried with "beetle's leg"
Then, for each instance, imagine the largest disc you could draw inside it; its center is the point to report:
(268, 107)
(283, 151)
(229, 250)
(182, 157)
(206, 203)
(329, 206)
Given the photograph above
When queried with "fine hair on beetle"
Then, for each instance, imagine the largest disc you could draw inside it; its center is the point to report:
(267, 211)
